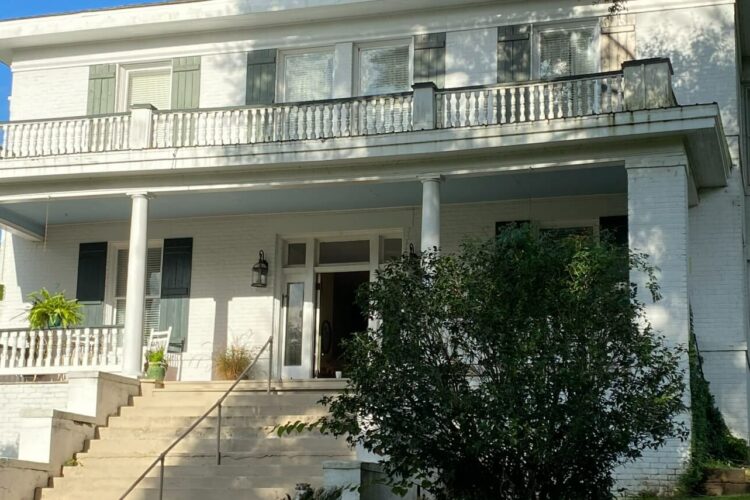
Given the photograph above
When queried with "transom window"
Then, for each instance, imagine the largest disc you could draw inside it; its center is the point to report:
(384, 69)
(307, 76)
(567, 51)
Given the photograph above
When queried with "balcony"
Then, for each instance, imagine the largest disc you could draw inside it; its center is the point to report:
(640, 85)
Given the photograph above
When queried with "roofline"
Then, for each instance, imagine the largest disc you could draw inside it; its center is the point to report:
(100, 9)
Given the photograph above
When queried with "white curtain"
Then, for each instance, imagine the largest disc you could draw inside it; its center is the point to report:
(308, 77)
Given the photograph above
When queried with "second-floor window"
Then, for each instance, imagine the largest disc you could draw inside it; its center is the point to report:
(307, 76)
(384, 68)
(567, 51)
(150, 84)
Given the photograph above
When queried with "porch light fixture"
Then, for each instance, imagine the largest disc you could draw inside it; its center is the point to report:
(260, 271)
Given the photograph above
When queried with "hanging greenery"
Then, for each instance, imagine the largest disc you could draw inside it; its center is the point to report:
(712, 444)
(53, 311)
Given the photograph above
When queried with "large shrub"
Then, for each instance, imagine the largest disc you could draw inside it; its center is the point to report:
(523, 367)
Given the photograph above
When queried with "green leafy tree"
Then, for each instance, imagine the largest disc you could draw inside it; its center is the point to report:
(523, 367)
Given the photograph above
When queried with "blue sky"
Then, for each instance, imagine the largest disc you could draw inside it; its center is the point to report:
(18, 8)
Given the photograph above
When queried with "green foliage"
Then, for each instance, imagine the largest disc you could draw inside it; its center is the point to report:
(712, 444)
(52, 311)
(233, 361)
(156, 356)
(524, 367)
(306, 492)
(615, 6)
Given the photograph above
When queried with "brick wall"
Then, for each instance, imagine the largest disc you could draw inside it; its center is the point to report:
(50, 93)
(14, 397)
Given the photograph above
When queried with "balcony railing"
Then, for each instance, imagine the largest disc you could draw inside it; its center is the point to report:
(60, 350)
(641, 85)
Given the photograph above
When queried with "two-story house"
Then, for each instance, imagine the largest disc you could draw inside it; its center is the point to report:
(156, 154)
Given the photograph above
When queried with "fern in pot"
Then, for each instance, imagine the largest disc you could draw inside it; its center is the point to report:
(53, 310)
(157, 365)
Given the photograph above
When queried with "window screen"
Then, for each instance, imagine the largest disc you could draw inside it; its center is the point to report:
(308, 77)
(567, 52)
(150, 87)
(383, 70)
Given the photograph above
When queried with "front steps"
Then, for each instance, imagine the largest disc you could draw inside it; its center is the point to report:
(256, 463)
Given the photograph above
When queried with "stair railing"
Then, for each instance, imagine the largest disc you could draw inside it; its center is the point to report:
(216, 406)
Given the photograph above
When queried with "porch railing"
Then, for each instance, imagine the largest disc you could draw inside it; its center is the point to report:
(60, 350)
(640, 85)
(283, 122)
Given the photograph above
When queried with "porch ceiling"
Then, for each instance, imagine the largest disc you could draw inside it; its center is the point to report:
(350, 196)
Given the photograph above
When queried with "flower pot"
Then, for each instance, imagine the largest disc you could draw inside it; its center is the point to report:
(156, 371)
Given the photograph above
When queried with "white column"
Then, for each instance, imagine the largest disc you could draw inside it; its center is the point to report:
(658, 226)
(431, 213)
(136, 293)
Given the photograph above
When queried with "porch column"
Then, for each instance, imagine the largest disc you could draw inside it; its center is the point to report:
(136, 287)
(658, 188)
(431, 212)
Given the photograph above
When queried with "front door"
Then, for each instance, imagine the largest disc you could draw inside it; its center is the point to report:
(297, 327)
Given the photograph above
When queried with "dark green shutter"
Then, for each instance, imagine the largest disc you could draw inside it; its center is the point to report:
(429, 59)
(186, 82)
(92, 272)
(261, 77)
(175, 288)
(514, 53)
(102, 89)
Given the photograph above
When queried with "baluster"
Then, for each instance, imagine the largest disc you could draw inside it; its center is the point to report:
(532, 102)
(58, 347)
(344, 118)
(566, 93)
(354, 118)
(4, 340)
(309, 122)
(102, 131)
(49, 337)
(86, 346)
(325, 112)
(22, 140)
(96, 359)
(513, 105)
(34, 356)
(242, 125)
(76, 348)
(14, 362)
(68, 339)
(21, 346)
(106, 332)
(579, 97)
(522, 104)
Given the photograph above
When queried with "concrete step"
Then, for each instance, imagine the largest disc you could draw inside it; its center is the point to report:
(288, 466)
(231, 411)
(303, 444)
(237, 482)
(203, 431)
(174, 494)
(87, 461)
(169, 422)
(240, 399)
(281, 386)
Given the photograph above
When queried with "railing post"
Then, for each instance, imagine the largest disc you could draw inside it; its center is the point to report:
(218, 437)
(647, 84)
(141, 126)
(270, 363)
(161, 478)
(423, 114)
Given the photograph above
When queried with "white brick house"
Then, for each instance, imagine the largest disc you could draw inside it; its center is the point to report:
(176, 142)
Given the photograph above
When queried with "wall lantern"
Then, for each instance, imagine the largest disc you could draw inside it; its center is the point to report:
(260, 271)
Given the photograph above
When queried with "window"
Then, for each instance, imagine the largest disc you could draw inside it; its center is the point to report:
(146, 85)
(153, 288)
(343, 252)
(296, 254)
(567, 51)
(384, 69)
(307, 76)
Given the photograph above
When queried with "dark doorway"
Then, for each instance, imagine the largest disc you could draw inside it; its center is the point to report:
(339, 317)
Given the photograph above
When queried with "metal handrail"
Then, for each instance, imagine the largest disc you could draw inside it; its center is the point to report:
(162, 456)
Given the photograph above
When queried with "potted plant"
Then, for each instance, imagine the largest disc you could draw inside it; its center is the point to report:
(157, 365)
(53, 311)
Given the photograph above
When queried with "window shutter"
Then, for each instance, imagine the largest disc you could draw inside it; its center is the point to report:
(617, 41)
(429, 59)
(175, 287)
(92, 271)
(186, 82)
(261, 77)
(514, 53)
(102, 89)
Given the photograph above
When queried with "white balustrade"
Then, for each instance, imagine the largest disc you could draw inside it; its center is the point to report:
(38, 352)
(65, 136)
(283, 122)
(501, 104)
